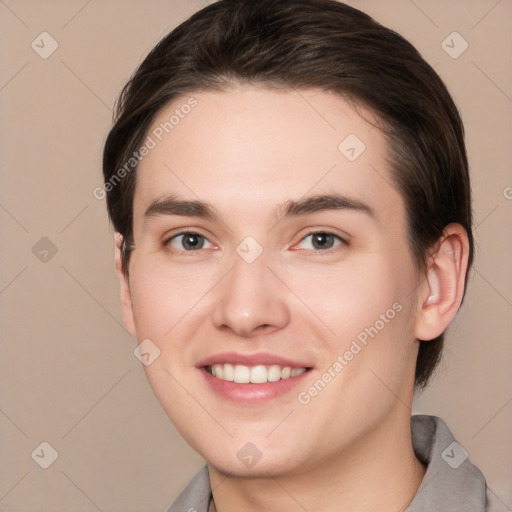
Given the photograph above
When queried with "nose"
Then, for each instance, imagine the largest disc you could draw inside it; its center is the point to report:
(251, 300)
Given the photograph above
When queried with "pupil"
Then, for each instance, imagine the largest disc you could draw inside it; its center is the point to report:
(322, 241)
(192, 242)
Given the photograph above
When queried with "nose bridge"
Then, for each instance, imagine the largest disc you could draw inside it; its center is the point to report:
(249, 300)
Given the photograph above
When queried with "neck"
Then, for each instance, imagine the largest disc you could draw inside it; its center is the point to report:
(380, 469)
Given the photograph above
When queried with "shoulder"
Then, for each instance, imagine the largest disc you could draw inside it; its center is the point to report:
(451, 483)
(196, 495)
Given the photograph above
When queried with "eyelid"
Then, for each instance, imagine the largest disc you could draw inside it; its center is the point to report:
(343, 236)
(174, 233)
(184, 230)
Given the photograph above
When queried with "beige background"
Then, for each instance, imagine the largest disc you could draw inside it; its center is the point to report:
(69, 376)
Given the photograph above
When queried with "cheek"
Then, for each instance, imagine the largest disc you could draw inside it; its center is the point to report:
(167, 307)
(368, 309)
(163, 299)
(352, 297)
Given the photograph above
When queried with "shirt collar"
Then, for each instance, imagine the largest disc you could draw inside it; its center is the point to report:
(451, 483)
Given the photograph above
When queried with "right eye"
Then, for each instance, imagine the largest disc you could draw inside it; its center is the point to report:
(188, 242)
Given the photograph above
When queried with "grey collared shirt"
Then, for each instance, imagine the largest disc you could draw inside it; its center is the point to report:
(451, 483)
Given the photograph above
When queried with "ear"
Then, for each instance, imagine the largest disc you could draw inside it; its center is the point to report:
(443, 289)
(126, 298)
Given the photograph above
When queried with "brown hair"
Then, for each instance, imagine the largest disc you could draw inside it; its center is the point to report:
(299, 44)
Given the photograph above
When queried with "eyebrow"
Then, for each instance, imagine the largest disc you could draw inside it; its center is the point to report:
(171, 205)
(320, 203)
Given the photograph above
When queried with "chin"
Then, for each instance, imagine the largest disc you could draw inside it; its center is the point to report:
(261, 468)
(253, 460)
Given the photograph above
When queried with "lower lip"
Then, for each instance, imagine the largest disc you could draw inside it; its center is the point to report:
(252, 393)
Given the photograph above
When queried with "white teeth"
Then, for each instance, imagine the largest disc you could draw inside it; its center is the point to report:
(296, 371)
(286, 372)
(258, 374)
(274, 373)
(242, 374)
(229, 372)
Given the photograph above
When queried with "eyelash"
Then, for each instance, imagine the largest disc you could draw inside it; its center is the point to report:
(167, 241)
(342, 242)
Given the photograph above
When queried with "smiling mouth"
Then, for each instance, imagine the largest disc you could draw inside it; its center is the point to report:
(258, 374)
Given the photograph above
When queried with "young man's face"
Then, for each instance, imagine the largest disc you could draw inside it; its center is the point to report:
(298, 259)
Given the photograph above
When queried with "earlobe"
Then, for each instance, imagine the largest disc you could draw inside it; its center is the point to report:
(443, 288)
(126, 299)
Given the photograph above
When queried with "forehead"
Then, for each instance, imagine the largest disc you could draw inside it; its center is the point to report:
(256, 148)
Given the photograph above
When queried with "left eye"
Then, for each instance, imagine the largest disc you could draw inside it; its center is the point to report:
(320, 241)
(189, 242)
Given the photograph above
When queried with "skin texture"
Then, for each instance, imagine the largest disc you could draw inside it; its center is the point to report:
(247, 152)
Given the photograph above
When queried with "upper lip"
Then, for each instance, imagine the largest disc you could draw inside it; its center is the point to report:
(263, 358)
